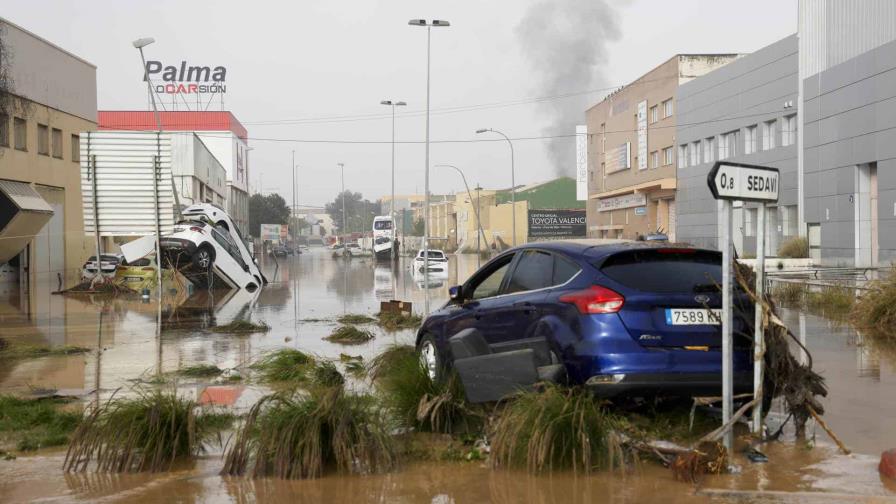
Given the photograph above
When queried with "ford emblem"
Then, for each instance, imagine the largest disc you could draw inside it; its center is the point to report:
(701, 298)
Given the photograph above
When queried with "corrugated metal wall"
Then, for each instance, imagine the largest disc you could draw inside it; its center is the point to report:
(124, 174)
(833, 31)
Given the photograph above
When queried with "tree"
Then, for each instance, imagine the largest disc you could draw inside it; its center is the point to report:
(359, 212)
(418, 227)
(270, 209)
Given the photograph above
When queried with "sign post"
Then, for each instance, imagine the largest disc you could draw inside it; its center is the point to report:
(740, 182)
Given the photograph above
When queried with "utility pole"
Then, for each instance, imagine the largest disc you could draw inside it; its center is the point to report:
(342, 171)
(293, 213)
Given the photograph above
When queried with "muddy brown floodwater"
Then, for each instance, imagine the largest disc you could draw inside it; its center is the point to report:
(305, 294)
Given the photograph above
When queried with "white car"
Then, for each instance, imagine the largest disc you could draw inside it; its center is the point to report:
(354, 249)
(217, 216)
(208, 255)
(438, 261)
(108, 263)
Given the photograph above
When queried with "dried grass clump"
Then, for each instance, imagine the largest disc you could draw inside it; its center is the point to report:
(790, 294)
(308, 435)
(832, 301)
(794, 248)
(200, 371)
(24, 351)
(394, 321)
(284, 365)
(241, 327)
(349, 335)
(555, 428)
(875, 310)
(710, 457)
(146, 433)
(417, 402)
(355, 318)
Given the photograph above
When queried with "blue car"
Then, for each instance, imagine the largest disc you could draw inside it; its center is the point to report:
(634, 319)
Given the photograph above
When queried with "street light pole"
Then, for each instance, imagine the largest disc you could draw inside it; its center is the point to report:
(481, 234)
(512, 180)
(428, 25)
(342, 170)
(392, 201)
(293, 213)
(475, 209)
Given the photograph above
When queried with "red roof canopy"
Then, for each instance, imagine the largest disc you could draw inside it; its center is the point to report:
(143, 120)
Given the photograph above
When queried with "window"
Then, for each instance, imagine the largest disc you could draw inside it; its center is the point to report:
(750, 221)
(490, 285)
(768, 134)
(750, 139)
(21, 133)
(43, 140)
(654, 113)
(667, 156)
(788, 130)
(661, 271)
(57, 143)
(728, 144)
(667, 108)
(535, 270)
(682, 156)
(4, 130)
(709, 149)
(564, 270)
(694, 151)
(76, 148)
(654, 159)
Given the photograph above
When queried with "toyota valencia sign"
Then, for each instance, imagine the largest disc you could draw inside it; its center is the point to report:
(556, 223)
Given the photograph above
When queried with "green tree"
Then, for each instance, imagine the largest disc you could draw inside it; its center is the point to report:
(359, 212)
(270, 209)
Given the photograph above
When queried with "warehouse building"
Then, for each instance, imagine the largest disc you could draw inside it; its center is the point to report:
(743, 112)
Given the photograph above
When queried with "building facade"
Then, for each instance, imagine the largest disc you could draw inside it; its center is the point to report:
(52, 104)
(631, 150)
(221, 134)
(847, 66)
(743, 112)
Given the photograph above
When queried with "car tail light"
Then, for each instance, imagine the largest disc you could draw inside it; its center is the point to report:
(121, 268)
(147, 268)
(595, 299)
(196, 229)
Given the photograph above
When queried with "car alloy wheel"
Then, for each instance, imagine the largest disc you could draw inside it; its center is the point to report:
(205, 259)
(429, 360)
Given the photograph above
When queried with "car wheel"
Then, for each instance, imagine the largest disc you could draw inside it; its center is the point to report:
(203, 259)
(430, 358)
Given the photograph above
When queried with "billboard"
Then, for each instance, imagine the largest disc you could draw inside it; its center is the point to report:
(581, 163)
(273, 232)
(642, 135)
(618, 158)
(556, 223)
(620, 202)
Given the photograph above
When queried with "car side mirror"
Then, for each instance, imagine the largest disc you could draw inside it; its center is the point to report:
(246, 268)
(456, 293)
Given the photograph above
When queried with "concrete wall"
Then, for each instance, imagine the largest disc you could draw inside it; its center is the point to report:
(850, 120)
(748, 92)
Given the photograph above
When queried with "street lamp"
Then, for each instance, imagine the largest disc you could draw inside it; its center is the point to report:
(475, 211)
(392, 201)
(478, 190)
(342, 169)
(512, 179)
(429, 25)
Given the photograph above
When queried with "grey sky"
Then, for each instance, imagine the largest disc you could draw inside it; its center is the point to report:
(323, 59)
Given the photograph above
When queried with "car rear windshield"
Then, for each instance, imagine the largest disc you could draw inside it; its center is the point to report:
(666, 270)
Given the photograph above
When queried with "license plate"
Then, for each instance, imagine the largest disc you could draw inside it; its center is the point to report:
(693, 316)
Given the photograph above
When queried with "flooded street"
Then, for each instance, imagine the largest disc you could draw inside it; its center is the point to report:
(305, 294)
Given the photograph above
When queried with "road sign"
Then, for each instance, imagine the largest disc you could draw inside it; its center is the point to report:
(743, 182)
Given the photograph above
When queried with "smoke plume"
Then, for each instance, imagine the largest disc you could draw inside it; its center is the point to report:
(566, 45)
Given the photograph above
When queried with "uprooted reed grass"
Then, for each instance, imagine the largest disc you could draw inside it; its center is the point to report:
(349, 335)
(794, 248)
(875, 310)
(284, 365)
(241, 327)
(414, 400)
(831, 301)
(199, 371)
(555, 428)
(24, 351)
(149, 432)
(306, 435)
(355, 318)
(397, 320)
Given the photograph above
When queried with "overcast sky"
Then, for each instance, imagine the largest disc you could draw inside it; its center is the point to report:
(333, 61)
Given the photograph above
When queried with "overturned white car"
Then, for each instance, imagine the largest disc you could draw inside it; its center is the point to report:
(208, 248)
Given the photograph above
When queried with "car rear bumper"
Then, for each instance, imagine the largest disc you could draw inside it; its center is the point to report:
(691, 384)
(177, 245)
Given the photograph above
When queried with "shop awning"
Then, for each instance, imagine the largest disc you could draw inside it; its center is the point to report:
(23, 213)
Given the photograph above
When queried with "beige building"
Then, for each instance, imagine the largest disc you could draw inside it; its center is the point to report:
(53, 100)
(631, 150)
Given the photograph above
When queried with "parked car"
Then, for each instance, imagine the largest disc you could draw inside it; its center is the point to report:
(208, 256)
(438, 261)
(354, 250)
(623, 319)
(138, 274)
(279, 251)
(108, 263)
